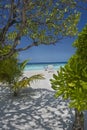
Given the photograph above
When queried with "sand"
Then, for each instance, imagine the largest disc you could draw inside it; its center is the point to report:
(35, 108)
(41, 83)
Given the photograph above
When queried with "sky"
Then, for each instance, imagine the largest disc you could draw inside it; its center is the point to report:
(60, 52)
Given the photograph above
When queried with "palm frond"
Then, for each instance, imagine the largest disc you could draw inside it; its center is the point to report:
(23, 64)
(26, 81)
(36, 77)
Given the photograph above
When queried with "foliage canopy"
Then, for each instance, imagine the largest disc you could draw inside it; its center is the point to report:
(71, 81)
(42, 22)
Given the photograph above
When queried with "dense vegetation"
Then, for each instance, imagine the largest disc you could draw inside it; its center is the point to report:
(11, 73)
(71, 80)
(42, 22)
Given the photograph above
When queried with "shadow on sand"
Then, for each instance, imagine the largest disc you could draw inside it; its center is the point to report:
(34, 109)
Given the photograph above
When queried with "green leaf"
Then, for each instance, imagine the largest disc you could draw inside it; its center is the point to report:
(58, 93)
(23, 64)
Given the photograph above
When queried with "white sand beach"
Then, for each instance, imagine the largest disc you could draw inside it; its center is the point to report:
(35, 108)
(41, 83)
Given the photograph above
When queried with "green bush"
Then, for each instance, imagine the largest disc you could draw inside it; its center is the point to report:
(11, 74)
(71, 80)
(9, 70)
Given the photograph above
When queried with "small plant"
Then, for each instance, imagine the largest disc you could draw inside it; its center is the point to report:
(24, 82)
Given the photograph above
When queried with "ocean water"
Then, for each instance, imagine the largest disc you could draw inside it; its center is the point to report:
(42, 66)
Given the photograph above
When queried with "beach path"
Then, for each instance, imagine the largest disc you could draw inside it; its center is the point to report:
(35, 108)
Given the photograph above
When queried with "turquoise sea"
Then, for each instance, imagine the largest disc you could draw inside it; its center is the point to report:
(41, 66)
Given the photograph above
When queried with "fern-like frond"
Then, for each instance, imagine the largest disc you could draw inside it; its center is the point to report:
(26, 81)
(23, 64)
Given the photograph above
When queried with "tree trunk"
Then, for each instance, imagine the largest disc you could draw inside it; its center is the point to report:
(79, 121)
(15, 93)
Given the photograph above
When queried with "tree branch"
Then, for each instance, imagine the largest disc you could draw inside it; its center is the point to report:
(13, 50)
(10, 22)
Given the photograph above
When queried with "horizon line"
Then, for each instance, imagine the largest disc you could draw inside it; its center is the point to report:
(47, 62)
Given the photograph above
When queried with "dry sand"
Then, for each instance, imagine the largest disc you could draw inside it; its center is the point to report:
(41, 83)
(35, 108)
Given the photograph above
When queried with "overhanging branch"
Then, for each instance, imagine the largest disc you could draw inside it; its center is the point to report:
(13, 50)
